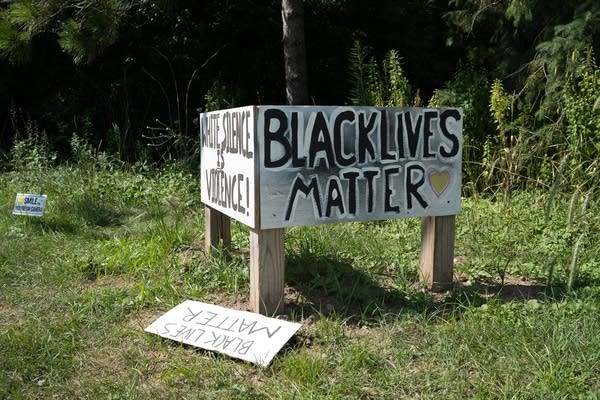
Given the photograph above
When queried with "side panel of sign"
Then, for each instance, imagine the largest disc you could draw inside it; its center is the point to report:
(227, 172)
(339, 164)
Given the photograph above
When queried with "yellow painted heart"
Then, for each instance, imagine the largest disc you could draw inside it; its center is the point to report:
(439, 181)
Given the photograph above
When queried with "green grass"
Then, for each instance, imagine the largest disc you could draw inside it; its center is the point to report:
(120, 246)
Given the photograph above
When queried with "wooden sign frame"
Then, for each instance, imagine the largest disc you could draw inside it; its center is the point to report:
(272, 167)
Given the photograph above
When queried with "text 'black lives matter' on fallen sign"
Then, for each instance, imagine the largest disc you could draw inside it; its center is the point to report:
(32, 205)
(239, 334)
(316, 165)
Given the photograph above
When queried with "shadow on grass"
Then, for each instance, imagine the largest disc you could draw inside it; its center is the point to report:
(57, 224)
(319, 285)
(98, 213)
(326, 285)
(78, 217)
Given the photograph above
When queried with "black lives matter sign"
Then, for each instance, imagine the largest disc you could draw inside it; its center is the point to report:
(315, 165)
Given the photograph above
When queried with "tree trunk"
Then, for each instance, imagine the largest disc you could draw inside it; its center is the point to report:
(294, 52)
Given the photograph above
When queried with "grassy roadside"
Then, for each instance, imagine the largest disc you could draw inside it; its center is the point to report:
(118, 247)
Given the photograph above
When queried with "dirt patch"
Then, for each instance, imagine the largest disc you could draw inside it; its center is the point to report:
(112, 281)
(513, 288)
(10, 315)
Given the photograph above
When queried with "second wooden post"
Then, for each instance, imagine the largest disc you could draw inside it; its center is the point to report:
(267, 267)
(437, 252)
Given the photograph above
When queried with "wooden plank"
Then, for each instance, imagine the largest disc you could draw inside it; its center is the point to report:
(217, 230)
(267, 266)
(437, 252)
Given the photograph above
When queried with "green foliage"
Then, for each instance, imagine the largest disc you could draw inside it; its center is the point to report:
(501, 108)
(519, 10)
(385, 86)
(16, 29)
(583, 122)
(539, 64)
(361, 71)
(96, 28)
(84, 28)
(469, 89)
(395, 82)
(31, 151)
(219, 96)
(556, 60)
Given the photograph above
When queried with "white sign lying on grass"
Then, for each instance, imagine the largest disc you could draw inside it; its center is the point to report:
(240, 334)
(30, 204)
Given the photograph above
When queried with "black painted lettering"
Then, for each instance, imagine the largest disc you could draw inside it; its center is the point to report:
(245, 347)
(428, 132)
(182, 328)
(445, 115)
(166, 328)
(213, 340)
(365, 145)
(191, 315)
(389, 191)
(306, 190)
(383, 139)
(297, 161)
(247, 120)
(351, 176)
(209, 182)
(271, 116)
(240, 207)
(334, 196)
(412, 186)
(207, 319)
(317, 145)
(338, 140)
(230, 327)
(413, 133)
(252, 329)
(201, 332)
(370, 175)
(400, 136)
(232, 198)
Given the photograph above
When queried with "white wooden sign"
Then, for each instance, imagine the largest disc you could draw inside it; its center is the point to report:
(305, 165)
(240, 334)
(335, 164)
(30, 204)
(227, 167)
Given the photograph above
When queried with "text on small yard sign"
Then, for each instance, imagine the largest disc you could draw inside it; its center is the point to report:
(281, 166)
(240, 334)
(29, 204)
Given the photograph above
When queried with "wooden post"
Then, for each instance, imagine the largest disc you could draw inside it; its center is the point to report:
(437, 252)
(217, 228)
(267, 268)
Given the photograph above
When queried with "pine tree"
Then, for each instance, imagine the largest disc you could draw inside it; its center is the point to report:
(84, 28)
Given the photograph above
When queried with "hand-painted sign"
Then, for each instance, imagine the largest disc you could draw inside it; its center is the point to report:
(227, 173)
(331, 164)
(240, 334)
(30, 204)
(316, 165)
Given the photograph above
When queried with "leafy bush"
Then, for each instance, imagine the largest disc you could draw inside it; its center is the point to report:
(375, 85)
(469, 89)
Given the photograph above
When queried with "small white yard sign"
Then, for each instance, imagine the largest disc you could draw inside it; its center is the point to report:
(30, 204)
(239, 334)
